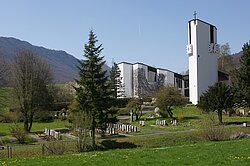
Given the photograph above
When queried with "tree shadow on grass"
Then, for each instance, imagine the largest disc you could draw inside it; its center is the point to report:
(113, 144)
(235, 123)
(191, 117)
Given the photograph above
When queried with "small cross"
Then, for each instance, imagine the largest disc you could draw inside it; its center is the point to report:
(195, 14)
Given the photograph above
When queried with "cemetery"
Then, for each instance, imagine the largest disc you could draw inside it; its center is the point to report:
(146, 111)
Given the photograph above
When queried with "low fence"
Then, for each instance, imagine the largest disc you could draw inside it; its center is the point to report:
(50, 148)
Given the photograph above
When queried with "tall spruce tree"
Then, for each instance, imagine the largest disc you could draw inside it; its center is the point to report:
(115, 81)
(93, 90)
(243, 75)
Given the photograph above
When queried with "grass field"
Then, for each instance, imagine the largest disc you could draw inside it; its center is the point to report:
(187, 118)
(5, 127)
(235, 152)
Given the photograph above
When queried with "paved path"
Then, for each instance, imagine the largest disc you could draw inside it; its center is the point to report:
(37, 138)
(69, 136)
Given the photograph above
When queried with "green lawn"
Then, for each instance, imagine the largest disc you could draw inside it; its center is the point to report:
(5, 127)
(189, 117)
(207, 153)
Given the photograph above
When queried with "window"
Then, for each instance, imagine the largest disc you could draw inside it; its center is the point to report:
(189, 29)
(186, 92)
(178, 82)
(186, 84)
(151, 74)
(211, 34)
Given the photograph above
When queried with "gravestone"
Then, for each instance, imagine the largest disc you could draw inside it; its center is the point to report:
(142, 123)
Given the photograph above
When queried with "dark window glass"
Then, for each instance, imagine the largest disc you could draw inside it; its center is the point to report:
(211, 34)
(189, 29)
(186, 92)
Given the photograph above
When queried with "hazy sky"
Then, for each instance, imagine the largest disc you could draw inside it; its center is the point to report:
(153, 32)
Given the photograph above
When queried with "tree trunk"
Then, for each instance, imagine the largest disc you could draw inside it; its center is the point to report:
(220, 116)
(136, 116)
(140, 114)
(85, 140)
(170, 113)
(80, 141)
(93, 137)
(31, 121)
(93, 133)
(25, 122)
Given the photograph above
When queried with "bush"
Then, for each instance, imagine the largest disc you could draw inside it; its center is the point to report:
(121, 102)
(56, 147)
(123, 111)
(19, 133)
(211, 130)
(43, 116)
(163, 114)
(147, 99)
(9, 117)
(1, 142)
(180, 116)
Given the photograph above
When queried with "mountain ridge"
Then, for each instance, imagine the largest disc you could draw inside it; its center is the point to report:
(63, 65)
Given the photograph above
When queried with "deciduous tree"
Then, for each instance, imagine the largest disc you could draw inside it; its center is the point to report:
(30, 77)
(167, 97)
(225, 62)
(3, 72)
(3, 68)
(135, 108)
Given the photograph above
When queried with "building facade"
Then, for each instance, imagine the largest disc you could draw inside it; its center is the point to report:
(140, 80)
(202, 50)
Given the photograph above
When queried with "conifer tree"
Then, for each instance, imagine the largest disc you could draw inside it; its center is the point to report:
(93, 90)
(243, 75)
(217, 98)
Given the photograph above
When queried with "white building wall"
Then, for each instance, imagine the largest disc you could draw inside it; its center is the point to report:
(203, 71)
(136, 82)
(141, 66)
(169, 77)
(127, 78)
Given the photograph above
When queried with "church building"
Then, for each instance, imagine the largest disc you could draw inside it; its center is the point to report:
(140, 80)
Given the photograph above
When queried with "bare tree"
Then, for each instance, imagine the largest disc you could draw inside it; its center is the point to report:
(3, 74)
(30, 76)
(3, 69)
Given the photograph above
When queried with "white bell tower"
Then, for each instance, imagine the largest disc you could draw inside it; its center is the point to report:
(202, 50)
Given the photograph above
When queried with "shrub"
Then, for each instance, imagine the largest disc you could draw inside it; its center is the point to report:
(121, 102)
(123, 111)
(239, 135)
(211, 130)
(147, 99)
(1, 142)
(163, 114)
(43, 116)
(56, 147)
(9, 117)
(19, 133)
(180, 116)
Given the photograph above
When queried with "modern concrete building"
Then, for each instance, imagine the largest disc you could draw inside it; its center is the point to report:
(202, 50)
(140, 80)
